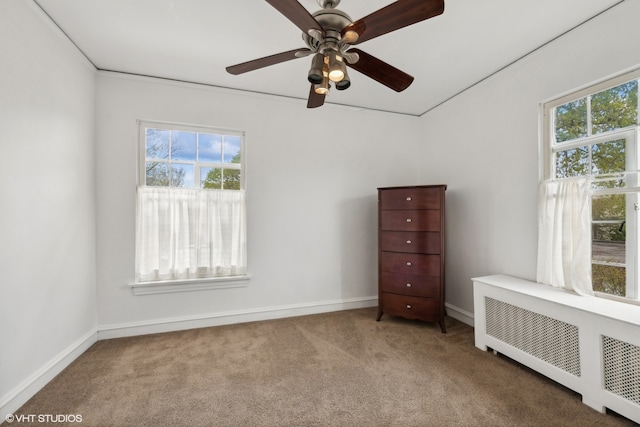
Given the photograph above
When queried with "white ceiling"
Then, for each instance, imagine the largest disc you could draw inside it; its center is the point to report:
(194, 40)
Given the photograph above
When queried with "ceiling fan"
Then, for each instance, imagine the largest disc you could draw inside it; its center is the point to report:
(329, 34)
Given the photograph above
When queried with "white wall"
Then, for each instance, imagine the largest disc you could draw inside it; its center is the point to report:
(486, 143)
(47, 227)
(312, 178)
(311, 195)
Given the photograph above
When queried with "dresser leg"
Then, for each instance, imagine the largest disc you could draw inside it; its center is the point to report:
(379, 315)
(442, 327)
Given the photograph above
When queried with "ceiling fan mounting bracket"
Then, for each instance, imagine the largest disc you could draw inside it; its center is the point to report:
(328, 4)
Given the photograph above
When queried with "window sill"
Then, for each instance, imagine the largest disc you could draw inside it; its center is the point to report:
(617, 298)
(187, 285)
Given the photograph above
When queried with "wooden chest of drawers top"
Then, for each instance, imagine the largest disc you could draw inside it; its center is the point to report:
(412, 198)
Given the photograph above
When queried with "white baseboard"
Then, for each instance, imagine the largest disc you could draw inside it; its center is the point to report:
(20, 394)
(241, 316)
(459, 314)
(230, 317)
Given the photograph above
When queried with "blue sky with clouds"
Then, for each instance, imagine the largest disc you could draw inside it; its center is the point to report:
(186, 148)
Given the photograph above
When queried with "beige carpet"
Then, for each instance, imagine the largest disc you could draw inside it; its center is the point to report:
(335, 369)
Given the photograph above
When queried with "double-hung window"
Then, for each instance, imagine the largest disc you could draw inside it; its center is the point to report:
(594, 133)
(190, 219)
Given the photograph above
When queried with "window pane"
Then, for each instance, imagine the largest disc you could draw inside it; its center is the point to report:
(209, 148)
(608, 158)
(615, 108)
(571, 120)
(183, 146)
(211, 178)
(609, 243)
(231, 179)
(231, 149)
(607, 207)
(574, 162)
(157, 174)
(182, 175)
(157, 143)
(609, 279)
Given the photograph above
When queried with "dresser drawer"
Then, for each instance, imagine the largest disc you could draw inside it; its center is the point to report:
(410, 220)
(410, 198)
(410, 307)
(409, 284)
(407, 263)
(426, 242)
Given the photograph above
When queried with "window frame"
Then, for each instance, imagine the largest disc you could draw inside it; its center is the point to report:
(195, 284)
(548, 147)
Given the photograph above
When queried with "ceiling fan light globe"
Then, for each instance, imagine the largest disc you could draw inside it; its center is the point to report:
(321, 90)
(336, 75)
(350, 37)
(337, 67)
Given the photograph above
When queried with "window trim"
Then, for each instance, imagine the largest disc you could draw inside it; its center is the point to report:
(187, 285)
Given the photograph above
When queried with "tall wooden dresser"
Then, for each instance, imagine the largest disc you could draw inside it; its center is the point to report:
(411, 252)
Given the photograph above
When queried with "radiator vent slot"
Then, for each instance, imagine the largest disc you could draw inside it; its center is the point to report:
(621, 362)
(548, 339)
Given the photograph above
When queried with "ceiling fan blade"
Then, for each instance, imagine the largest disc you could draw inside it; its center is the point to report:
(297, 14)
(266, 61)
(380, 71)
(399, 14)
(315, 100)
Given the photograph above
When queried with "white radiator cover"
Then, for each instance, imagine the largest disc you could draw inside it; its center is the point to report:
(588, 344)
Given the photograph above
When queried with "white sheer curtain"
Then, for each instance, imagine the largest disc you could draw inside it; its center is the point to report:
(187, 233)
(564, 235)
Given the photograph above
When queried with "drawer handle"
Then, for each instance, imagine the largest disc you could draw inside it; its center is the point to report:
(408, 285)
(409, 263)
(408, 306)
(409, 199)
(408, 219)
(408, 242)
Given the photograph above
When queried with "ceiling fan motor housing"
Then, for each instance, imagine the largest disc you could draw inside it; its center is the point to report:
(332, 22)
